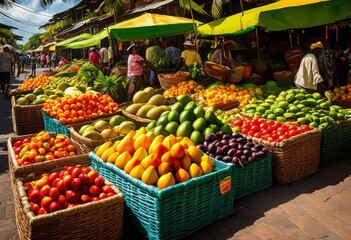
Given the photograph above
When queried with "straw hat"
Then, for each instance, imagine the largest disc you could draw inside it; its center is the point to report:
(188, 43)
(130, 48)
(316, 45)
(231, 42)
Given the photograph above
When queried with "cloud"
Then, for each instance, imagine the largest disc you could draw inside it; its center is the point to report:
(30, 16)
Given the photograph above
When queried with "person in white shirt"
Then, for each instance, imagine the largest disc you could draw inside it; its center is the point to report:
(104, 56)
(308, 76)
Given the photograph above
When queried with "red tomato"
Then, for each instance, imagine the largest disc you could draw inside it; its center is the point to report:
(244, 131)
(263, 125)
(258, 134)
(26, 140)
(305, 128)
(17, 143)
(238, 123)
(250, 133)
(293, 133)
(270, 122)
(255, 128)
(270, 139)
(292, 127)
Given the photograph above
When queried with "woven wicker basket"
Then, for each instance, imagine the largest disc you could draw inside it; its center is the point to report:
(224, 106)
(101, 219)
(287, 76)
(168, 82)
(90, 143)
(26, 119)
(254, 78)
(296, 157)
(167, 213)
(17, 171)
(136, 118)
(17, 92)
(217, 71)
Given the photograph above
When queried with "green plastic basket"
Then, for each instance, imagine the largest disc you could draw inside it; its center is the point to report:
(176, 211)
(252, 178)
(53, 125)
(335, 144)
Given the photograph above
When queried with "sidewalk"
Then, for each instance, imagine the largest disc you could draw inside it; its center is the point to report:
(316, 207)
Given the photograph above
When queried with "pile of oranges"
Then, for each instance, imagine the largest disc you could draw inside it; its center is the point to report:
(342, 93)
(76, 108)
(185, 87)
(224, 94)
(33, 83)
(42, 147)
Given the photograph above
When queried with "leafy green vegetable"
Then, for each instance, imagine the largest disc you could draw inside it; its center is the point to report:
(87, 74)
(113, 85)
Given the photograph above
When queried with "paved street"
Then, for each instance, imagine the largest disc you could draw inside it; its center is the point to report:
(316, 207)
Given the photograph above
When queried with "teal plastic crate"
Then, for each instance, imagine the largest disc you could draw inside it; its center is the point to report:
(252, 178)
(53, 125)
(335, 143)
(176, 211)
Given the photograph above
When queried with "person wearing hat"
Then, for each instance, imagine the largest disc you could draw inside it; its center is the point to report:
(223, 55)
(94, 57)
(5, 70)
(190, 55)
(308, 76)
(135, 79)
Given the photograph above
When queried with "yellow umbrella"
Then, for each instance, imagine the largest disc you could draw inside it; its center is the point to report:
(281, 15)
(151, 25)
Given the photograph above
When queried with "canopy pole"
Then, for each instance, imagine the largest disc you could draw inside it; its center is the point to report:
(291, 42)
(194, 26)
(242, 7)
(258, 51)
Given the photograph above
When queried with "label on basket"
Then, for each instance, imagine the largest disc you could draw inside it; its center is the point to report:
(225, 185)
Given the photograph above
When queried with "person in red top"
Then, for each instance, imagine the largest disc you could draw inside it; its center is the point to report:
(94, 57)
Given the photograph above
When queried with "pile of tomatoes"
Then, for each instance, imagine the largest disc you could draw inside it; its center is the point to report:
(270, 130)
(75, 108)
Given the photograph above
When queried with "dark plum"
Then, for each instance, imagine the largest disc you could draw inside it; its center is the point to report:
(227, 159)
(243, 158)
(249, 159)
(247, 153)
(215, 141)
(260, 154)
(232, 152)
(226, 148)
(245, 147)
(259, 147)
(242, 140)
(240, 147)
(225, 142)
(254, 156)
(219, 157)
(210, 137)
(253, 150)
(220, 151)
(219, 144)
(219, 134)
(236, 161)
(234, 144)
(239, 153)
(202, 147)
(265, 150)
(236, 135)
(212, 148)
(226, 136)
(250, 144)
(206, 143)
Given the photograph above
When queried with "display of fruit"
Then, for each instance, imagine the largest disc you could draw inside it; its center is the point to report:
(42, 147)
(232, 148)
(73, 186)
(148, 104)
(226, 116)
(300, 106)
(156, 160)
(197, 73)
(270, 130)
(187, 119)
(225, 93)
(32, 83)
(74, 108)
(185, 87)
(61, 83)
(113, 85)
(106, 129)
(339, 93)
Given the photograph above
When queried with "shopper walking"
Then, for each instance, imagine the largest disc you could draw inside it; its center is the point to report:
(33, 64)
(5, 71)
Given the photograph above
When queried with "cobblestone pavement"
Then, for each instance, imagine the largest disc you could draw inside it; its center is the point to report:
(316, 207)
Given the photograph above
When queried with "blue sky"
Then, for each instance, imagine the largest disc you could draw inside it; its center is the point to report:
(29, 16)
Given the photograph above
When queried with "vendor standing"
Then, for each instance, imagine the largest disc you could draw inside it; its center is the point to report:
(223, 55)
(135, 79)
(308, 76)
(190, 55)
